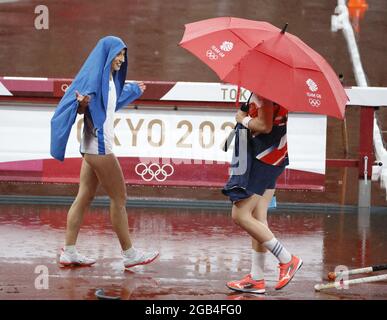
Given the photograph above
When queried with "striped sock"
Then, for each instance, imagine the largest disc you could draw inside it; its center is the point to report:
(257, 265)
(278, 250)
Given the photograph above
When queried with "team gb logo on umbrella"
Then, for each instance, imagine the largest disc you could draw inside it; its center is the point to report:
(312, 85)
(214, 53)
(227, 46)
(314, 98)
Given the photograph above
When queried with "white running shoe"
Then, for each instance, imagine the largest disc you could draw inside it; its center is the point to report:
(74, 259)
(139, 258)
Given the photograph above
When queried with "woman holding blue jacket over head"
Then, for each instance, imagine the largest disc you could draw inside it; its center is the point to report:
(97, 91)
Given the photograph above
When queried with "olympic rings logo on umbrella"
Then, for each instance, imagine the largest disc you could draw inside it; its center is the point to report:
(154, 171)
(211, 55)
(314, 102)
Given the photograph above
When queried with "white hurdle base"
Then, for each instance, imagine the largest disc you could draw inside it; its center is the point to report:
(339, 285)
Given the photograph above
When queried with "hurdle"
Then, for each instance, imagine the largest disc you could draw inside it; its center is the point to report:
(333, 275)
(343, 284)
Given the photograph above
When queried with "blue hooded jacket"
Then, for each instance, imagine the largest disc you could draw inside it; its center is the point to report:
(92, 80)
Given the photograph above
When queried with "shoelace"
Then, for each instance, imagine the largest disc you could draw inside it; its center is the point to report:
(77, 256)
(140, 256)
(246, 279)
(80, 258)
(283, 268)
(137, 255)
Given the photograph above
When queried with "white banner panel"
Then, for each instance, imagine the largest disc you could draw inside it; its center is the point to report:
(205, 91)
(222, 92)
(195, 134)
(24, 133)
(307, 142)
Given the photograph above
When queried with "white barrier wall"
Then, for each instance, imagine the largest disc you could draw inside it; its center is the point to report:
(158, 133)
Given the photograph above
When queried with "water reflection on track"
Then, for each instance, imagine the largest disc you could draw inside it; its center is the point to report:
(199, 252)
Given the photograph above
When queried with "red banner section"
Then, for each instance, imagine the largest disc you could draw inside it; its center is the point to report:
(176, 172)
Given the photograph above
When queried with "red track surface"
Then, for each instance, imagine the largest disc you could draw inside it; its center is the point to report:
(199, 252)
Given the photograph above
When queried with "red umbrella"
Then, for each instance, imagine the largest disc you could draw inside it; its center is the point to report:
(271, 62)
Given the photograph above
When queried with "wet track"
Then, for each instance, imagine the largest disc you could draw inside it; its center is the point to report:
(153, 36)
(199, 251)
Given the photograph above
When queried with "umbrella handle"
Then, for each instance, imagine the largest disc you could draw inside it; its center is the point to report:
(237, 96)
(239, 86)
(229, 139)
(232, 133)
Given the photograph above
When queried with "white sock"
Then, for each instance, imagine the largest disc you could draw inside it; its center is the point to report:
(70, 249)
(257, 265)
(129, 252)
(278, 250)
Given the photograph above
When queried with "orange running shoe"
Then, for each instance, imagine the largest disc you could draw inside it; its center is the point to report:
(287, 271)
(247, 285)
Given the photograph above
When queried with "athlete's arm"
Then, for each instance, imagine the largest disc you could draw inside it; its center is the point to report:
(142, 86)
(83, 102)
(263, 123)
(130, 92)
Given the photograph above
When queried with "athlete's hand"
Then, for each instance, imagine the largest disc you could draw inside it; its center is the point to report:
(142, 86)
(83, 102)
(240, 115)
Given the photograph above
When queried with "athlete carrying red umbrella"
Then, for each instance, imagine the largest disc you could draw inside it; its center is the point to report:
(251, 190)
(285, 75)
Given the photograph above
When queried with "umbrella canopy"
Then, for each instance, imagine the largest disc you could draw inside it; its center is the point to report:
(268, 61)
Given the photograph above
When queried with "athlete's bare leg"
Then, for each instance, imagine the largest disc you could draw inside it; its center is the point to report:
(260, 213)
(110, 176)
(242, 216)
(87, 188)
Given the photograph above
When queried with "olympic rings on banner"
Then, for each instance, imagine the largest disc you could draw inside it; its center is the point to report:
(154, 171)
(64, 87)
